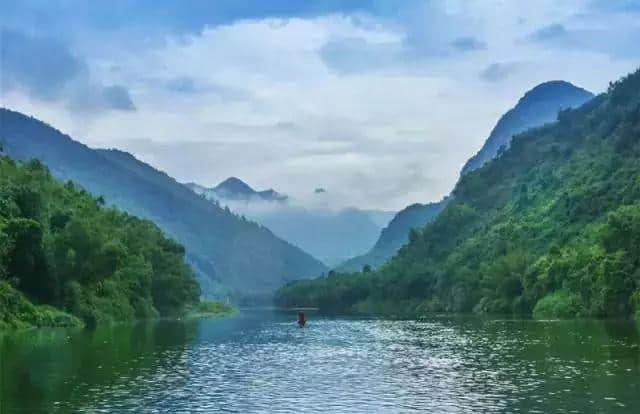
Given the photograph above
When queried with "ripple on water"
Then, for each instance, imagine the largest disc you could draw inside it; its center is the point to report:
(265, 364)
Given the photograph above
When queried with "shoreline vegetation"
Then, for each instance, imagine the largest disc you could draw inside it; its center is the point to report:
(17, 313)
(67, 260)
(548, 229)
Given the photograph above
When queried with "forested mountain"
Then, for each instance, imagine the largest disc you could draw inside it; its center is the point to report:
(551, 227)
(60, 248)
(232, 255)
(537, 107)
(395, 235)
(329, 235)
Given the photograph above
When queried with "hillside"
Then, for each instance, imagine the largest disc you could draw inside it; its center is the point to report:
(537, 107)
(62, 250)
(230, 254)
(551, 227)
(394, 236)
(329, 235)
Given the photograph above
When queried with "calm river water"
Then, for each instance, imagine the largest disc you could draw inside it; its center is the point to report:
(259, 361)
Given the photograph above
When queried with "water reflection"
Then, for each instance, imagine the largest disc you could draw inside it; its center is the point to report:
(261, 362)
(48, 370)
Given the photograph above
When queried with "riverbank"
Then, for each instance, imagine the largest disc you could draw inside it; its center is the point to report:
(18, 312)
(206, 309)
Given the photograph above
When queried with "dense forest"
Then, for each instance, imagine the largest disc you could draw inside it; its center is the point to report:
(550, 228)
(231, 255)
(66, 258)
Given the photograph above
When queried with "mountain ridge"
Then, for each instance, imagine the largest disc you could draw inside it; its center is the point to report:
(329, 235)
(232, 256)
(538, 106)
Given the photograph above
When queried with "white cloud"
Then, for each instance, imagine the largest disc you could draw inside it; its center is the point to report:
(258, 99)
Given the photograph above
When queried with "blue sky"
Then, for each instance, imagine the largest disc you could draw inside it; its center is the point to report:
(379, 102)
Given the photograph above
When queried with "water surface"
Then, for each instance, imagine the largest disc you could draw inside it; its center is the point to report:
(260, 361)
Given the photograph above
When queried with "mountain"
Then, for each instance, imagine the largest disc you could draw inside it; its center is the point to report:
(549, 228)
(232, 255)
(329, 235)
(394, 236)
(380, 217)
(537, 107)
(237, 190)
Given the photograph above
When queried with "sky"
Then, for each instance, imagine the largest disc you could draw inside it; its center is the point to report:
(378, 102)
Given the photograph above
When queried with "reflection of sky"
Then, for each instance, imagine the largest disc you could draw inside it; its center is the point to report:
(378, 102)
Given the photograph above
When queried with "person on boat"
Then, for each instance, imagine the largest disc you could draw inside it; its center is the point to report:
(301, 320)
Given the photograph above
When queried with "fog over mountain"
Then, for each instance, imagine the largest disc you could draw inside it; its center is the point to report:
(331, 235)
(233, 256)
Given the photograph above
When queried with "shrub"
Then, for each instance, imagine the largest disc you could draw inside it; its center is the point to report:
(559, 304)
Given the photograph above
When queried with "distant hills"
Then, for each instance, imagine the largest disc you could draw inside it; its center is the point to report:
(537, 107)
(237, 190)
(232, 255)
(394, 235)
(329, 235)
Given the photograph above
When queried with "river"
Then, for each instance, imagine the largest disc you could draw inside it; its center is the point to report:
(260, 361)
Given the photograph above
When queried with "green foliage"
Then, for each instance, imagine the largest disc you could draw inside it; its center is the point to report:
(211, 308)
(18, 312)
(551, 228)
(559, 304)
(60, 247)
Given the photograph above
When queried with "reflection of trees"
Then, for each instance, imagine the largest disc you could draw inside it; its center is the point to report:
(47, 370)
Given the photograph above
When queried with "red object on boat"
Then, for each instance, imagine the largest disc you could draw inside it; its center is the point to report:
(301, 320)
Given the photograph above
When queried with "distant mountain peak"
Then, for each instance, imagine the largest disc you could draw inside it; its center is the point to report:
(235, 189)
(537, 106)
(555, 90)
(235, 186)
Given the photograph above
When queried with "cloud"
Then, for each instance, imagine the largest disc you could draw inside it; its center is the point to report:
(620, 6)
(618, 39)
(160, 18)
(47, 70)
(117, 97)
(551, 32)
(497, 72)
(43, 66)
(182, 84)
(379, 102)
(467, 44)
(357, 55)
